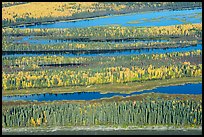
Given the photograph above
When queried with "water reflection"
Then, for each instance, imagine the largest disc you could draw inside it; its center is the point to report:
(178, 89)
(156, 18)
(94, 53)
(33, 40)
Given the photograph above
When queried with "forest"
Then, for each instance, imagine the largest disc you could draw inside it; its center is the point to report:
(121, 65)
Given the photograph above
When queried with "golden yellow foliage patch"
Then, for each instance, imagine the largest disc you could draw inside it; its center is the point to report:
(44, 9)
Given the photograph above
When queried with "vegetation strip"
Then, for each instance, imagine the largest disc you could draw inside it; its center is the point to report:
(106, 88)
(148, 111)
(14, 15)
(119, 74)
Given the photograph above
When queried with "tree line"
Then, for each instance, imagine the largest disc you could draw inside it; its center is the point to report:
(110, 32)
(146, 112)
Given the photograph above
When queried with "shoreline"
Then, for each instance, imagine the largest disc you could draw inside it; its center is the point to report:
(123, 88)
(8, 52)
(95, 17)
(108, 132)
(98, 128)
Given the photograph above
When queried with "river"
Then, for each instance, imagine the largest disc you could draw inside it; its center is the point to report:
(156, 18)
(101, 53)
(176, 89)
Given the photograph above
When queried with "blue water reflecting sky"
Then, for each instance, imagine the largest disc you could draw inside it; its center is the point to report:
(116, 53)
(156, 18)
(31, 40)
(177, 89)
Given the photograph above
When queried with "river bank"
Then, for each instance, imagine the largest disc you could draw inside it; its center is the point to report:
(106, 88)
(91, 17)
(101, 130)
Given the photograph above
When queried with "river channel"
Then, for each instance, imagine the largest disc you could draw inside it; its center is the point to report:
(156, 18)
(176, 89)
(101, 53)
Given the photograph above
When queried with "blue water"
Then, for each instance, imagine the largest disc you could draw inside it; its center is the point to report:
(115, 53)
(30, 40)
(163, 18)
(178, 89)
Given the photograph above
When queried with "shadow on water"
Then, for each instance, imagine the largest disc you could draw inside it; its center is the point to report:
(177, 89)
(32, 40)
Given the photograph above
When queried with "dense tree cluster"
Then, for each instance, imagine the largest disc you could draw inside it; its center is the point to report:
(66, 77)
(110, 32)
(146, 112)
(156, 59)
(30, 72)
(90, 45)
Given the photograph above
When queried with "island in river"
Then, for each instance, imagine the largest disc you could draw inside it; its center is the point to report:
(145, 67)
